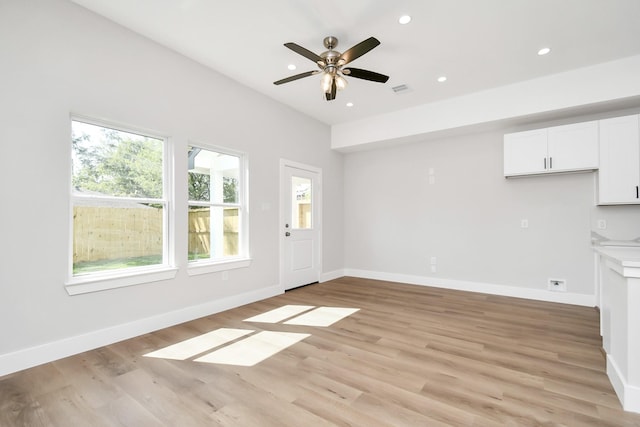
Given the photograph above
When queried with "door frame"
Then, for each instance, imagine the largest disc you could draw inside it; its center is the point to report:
(317, 200)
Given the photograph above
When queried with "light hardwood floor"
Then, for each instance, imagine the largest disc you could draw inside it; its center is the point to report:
(411, 356)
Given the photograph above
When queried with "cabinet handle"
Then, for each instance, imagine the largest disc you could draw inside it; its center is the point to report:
(545, 163)
(637, 192)
(550, 162)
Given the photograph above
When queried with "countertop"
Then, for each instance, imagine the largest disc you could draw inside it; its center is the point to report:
(627, 256)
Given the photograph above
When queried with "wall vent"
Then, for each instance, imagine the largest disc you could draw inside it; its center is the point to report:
(400, 88)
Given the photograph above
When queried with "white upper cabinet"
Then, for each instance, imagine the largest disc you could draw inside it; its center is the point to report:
(573, 147)
(619, 174)
(558, 149)
(525, 152)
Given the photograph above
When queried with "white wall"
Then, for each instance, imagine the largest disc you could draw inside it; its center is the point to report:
(614, 82)
(57, 58)
(470, 220)
(623, 222)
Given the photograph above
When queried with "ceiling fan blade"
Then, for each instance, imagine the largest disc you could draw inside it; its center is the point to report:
(358, 50)
(296, 77)
(304, 52)
(365, 75)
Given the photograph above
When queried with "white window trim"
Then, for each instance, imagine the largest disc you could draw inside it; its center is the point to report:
(118, 279)
(206, 266)
(100, 281)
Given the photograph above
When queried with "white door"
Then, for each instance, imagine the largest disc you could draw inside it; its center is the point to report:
(300, 229)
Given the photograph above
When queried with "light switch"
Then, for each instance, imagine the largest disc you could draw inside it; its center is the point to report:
(524, 223)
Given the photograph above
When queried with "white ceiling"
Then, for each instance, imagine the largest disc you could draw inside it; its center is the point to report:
(477, 44)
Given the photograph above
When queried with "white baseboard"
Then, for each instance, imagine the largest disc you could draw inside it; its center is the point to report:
(628, 394)
(33, 356)
(331, 275)
(485, 288)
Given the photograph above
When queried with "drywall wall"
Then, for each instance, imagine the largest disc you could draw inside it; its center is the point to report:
(447, 198)
(621, 222)
(610, 82)
(58, 58)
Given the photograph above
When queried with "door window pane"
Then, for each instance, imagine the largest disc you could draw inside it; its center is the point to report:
(301, 201)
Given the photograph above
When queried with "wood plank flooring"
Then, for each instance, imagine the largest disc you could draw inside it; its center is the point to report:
(411, 356)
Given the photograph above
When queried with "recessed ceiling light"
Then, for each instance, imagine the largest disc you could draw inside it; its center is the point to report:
(442, 79)
(544, 51)
(404, 19)
(291, 67)
(349, 104)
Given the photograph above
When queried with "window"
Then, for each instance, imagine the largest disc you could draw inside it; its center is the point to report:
(119, 203)
(217, 208)
(301, 203)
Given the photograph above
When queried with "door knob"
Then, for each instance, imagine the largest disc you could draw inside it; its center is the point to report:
(287, 234)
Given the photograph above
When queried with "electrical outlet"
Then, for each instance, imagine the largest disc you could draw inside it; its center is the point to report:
(225, 275)
(432, 176)
(524, 223)
(557, 285)
(434, 260)
(433, 268)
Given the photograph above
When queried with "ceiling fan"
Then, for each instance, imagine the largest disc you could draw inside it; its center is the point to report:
(331, 64)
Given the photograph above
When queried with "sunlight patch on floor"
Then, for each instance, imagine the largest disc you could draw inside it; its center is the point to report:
(322, 316)
(253, 349)
(194, 346)
(219, 347)
(279, 314)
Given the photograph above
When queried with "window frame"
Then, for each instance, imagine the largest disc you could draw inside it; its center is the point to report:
(110, 279)
(243, 259)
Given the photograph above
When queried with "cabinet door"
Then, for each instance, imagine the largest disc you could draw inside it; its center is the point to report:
(525, 152)
(619, 174)
(573, 147)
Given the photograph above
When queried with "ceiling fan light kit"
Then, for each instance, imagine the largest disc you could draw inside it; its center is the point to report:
(331, 63)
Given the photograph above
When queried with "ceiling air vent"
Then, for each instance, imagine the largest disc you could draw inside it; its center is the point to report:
(400, 89)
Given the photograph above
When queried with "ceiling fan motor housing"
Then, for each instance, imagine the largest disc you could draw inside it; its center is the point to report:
(330, 58)
(330, 42)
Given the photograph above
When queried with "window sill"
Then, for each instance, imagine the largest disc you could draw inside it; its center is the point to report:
(94, 283)
(205, 267)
